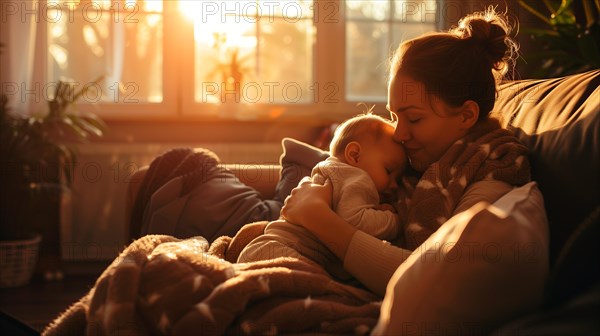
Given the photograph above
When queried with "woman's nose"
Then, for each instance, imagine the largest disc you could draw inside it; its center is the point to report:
(401, 132)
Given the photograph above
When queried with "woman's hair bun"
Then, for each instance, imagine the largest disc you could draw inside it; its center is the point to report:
(489, 32)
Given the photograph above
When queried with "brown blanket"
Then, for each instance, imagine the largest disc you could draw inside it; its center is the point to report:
(164, 285)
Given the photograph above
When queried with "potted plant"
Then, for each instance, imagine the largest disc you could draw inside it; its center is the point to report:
(37, 155)
(230, 66)
(569, 38)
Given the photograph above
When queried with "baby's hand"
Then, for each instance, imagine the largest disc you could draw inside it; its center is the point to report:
(385, 207)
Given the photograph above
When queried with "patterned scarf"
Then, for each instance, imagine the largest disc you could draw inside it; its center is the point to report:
(487, 152)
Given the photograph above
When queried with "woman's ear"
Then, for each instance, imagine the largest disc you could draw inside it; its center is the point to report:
(352, 152)
(469, 112)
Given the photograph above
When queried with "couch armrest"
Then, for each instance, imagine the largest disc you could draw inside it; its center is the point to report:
(263, 178)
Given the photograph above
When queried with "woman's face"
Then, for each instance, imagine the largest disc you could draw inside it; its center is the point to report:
(426, 125)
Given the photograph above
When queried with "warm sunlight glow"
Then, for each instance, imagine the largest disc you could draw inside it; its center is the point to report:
(153, 19)
(153, 5)
(91, 39)
(57, 30)
(371, 9)
(60, 55)
(210, 23)
(103, 29)
(105, 4)
(231, 35)
(70, 4)
(192, 9)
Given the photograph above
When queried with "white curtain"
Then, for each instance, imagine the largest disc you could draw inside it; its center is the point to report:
(19, 34)
(24, 72)
(118, 54)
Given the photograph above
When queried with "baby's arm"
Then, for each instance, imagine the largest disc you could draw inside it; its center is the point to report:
(359, 205)
(382, 224)
(385, 207)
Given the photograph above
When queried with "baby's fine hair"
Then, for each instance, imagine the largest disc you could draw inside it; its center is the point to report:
(361, 127)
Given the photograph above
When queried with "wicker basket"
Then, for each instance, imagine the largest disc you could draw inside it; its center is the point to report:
(17, 261)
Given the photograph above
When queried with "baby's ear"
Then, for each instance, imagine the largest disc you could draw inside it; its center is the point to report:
(352, 152)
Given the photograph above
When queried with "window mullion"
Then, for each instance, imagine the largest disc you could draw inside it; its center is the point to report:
(179, 49)
(330, 61)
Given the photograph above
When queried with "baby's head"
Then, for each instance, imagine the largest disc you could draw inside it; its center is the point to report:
(366, 142)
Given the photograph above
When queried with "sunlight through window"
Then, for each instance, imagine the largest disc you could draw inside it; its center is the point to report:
(235, 40)
(120, 41)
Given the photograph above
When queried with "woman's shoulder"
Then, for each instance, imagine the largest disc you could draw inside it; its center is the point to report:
(486, 190)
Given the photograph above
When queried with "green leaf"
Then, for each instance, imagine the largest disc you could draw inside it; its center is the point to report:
(88, 127)
(81, 133)
(590, 16)
(533, 11)
(565, 5)
(549, 6)
(94, 120)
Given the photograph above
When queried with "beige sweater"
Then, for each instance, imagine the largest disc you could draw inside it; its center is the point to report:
(373, 262)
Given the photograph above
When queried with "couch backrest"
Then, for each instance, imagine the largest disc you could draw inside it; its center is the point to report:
(559, 120)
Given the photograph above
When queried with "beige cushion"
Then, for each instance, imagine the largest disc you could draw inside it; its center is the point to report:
(483, 267)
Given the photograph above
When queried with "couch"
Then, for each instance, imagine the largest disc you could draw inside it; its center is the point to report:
(558, 119)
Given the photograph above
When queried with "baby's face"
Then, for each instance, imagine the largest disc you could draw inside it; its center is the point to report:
(384, 161)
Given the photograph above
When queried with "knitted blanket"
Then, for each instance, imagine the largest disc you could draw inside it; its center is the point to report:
(488, 152)
(164, 285)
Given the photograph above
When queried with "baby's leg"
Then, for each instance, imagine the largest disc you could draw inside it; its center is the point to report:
(266, 248)
(282, 239)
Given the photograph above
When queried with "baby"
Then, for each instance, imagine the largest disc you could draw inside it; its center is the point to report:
(365, 164)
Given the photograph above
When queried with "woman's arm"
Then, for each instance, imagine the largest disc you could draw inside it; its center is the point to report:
(367, 258)
(373, 261)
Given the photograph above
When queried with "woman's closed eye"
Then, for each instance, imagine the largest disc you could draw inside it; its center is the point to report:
(414, 120)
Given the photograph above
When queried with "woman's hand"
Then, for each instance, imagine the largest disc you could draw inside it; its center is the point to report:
(309, 205)
(307, 198)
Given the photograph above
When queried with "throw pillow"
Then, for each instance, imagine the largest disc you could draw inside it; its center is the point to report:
(483, 267)
(297, 161)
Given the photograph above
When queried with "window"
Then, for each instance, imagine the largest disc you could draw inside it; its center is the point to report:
(232, 59)
(122, 44)
(252, 52)
(373, 30)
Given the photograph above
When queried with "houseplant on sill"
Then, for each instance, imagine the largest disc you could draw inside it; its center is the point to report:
(37, 156)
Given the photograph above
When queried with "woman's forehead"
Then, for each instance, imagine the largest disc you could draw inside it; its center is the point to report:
(405, 93)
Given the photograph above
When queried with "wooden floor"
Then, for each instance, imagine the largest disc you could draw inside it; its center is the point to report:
(39, 302)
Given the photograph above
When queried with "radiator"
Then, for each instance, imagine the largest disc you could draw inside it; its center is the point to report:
(93, 224)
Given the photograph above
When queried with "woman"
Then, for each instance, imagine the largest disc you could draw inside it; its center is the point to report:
(441, 90)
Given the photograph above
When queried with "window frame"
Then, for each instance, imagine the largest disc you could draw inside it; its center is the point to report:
(328, 103)
(178, 104)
